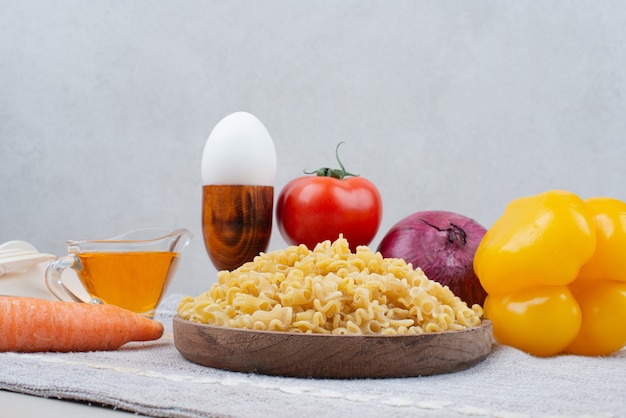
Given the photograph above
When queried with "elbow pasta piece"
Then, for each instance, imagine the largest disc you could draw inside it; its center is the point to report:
(330, 290)
(250, 304)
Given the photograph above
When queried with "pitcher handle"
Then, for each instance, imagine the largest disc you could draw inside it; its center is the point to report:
(54, 282)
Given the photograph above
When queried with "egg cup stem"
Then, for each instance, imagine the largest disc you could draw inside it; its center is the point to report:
(236, 223)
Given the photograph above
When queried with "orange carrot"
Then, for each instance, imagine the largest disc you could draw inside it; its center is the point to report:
(32, 325)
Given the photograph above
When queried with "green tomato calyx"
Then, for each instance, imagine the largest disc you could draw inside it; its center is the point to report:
(333, 172)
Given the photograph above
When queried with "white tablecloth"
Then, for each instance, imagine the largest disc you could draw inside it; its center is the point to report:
(154, 379)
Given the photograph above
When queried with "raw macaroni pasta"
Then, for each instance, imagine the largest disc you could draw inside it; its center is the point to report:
(330, 290)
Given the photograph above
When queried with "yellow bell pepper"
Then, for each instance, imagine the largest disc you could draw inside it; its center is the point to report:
(600, 288)
(608, 261)
(542, 321)
(553, 269)
(539, 240)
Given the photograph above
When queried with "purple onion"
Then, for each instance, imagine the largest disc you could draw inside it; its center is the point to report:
(443, 245)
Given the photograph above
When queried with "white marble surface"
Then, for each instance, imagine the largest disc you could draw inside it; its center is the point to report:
(105, 105)
(26, 406)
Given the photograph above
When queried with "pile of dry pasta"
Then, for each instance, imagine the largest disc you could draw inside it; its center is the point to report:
(330, 290)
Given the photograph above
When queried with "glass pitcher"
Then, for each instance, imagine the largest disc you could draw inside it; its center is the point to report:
(132, 270)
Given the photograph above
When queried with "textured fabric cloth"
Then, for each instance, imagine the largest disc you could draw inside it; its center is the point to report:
(154, 379)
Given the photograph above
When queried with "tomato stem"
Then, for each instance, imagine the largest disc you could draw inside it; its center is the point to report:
(333, 172)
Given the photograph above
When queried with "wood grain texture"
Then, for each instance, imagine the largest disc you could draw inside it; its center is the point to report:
(236, 223)
(331, 356)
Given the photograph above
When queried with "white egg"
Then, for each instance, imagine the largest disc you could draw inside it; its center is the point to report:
(239, 151)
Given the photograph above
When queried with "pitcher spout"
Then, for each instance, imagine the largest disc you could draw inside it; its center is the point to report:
(180, 240)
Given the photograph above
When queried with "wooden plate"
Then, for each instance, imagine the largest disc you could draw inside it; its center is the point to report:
(331, 356)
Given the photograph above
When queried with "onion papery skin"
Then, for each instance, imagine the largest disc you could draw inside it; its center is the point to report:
(442, 244)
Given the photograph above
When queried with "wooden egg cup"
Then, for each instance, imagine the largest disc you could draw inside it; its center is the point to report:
(236, 223)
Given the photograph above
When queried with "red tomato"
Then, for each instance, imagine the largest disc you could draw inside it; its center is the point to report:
(318, 208)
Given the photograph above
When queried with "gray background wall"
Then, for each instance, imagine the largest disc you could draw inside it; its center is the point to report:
(105, 106)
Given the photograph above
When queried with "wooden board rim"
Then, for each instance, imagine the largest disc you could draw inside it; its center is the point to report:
(331, 356)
